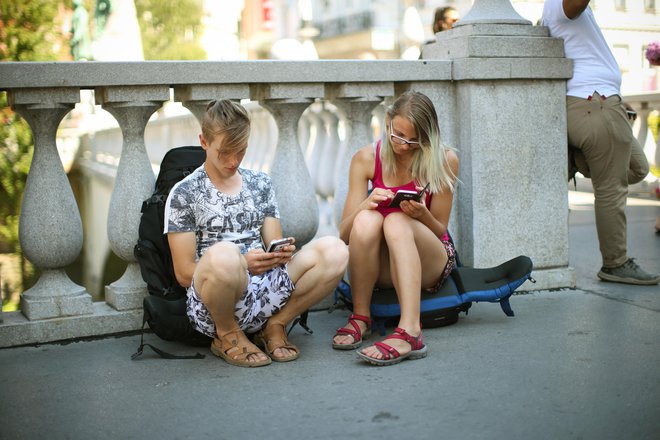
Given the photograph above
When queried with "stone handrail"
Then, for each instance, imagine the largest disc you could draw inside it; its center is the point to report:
(470, 94)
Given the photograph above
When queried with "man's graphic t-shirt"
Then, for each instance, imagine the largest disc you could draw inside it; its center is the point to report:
(195, 205)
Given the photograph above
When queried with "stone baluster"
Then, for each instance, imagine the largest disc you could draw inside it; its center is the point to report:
(50, 227)
(356, 101)
(264, 130)
(317, 139)
(304, 135)
(293, 185)
(325, 179)
(132, 108)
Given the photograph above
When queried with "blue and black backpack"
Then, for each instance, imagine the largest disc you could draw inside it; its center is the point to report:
(442, 307)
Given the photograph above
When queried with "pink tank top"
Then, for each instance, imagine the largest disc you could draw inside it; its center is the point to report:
(377, 182)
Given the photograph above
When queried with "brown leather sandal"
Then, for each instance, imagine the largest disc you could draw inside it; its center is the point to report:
(230, 349)
(270, 340)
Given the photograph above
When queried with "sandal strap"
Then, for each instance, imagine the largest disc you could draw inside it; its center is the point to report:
(277, 342)
(387, 350)
(362, 318)
(415, 342)
(355, 331)
(390, 352)
(244, 350)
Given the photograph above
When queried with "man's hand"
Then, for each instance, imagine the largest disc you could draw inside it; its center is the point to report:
(260, 262)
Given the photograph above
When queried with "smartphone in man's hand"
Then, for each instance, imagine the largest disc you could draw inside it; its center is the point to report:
(278, 244)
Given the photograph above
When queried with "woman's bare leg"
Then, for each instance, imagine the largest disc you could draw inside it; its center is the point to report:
(363, 265)
(417, 259)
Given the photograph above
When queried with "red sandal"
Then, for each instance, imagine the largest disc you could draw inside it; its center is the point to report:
(391, 355)
(357, 334)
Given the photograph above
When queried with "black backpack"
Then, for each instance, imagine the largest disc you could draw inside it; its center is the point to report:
(165, 306)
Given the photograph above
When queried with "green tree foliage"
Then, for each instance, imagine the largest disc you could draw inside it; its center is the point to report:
(171, 29)
(16, 144)
(26, 30)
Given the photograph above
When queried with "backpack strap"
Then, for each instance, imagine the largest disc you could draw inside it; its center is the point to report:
(302, 321)
(158, 351)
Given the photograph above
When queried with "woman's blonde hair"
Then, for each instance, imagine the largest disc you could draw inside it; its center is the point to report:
(227, 118)
(430, 160)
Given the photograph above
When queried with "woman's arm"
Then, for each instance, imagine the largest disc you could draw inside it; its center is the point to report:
(358, 197)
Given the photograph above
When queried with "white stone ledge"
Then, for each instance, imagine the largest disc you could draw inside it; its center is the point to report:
(16, 329)
(15, 75)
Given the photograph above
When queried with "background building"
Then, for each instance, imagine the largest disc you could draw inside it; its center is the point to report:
(389, 29)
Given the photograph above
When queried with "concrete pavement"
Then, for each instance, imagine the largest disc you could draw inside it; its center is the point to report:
(572, 364)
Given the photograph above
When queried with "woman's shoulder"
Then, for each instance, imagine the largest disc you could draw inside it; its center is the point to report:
(452, 160)
(451, 155)
(366, 154)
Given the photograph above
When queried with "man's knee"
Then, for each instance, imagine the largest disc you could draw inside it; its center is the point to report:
(333, 253)
(222, 260)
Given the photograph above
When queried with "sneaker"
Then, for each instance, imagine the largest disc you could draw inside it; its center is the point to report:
(628, 273)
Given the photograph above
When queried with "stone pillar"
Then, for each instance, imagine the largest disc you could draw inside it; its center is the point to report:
(356, 101)
(509, 80)
(50, 228)
(132, 107)
(293, 185)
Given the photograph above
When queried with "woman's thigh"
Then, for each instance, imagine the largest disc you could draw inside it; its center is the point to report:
(432, 253)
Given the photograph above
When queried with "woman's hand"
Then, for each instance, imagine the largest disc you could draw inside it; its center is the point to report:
(415, 209)
(377, 196)
(259, 261)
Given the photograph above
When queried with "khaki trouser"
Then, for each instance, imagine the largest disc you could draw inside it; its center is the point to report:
(599, 128)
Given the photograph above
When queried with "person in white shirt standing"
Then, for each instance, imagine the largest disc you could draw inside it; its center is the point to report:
(600, 133)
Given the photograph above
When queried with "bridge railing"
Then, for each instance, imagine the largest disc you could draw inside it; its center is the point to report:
(498, 87)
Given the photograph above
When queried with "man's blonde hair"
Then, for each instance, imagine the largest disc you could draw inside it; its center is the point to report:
(229, 119)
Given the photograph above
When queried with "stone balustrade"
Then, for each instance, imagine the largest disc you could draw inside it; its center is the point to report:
(503, 111)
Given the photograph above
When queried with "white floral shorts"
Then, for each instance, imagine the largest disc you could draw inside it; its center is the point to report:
(265, 295)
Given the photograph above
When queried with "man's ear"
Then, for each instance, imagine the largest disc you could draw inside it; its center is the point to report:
(202, 142)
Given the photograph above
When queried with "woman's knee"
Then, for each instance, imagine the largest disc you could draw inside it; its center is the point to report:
(367, 226)
(397, 226)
